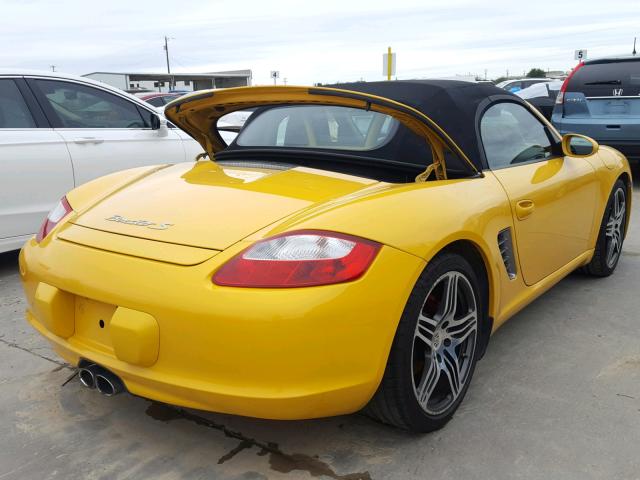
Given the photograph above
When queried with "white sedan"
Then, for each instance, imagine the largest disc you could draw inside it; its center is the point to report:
(228, 126)
(59, 131)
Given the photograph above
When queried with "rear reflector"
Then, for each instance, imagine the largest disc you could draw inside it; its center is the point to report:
(299, 259)
(565, 84)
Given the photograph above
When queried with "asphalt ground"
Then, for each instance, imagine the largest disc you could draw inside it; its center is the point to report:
(557, 396)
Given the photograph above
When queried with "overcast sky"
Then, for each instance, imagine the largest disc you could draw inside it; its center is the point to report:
(326, 41)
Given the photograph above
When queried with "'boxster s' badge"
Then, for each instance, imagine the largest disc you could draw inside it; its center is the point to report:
(139, 223)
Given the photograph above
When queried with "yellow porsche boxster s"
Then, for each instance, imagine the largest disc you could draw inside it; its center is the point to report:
(354, 247)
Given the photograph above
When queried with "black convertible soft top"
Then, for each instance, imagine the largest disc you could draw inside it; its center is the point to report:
(454, 105)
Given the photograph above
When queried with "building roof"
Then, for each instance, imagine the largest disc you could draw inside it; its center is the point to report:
(229, 73)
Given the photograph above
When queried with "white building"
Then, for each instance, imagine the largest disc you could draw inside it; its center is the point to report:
(164, 82)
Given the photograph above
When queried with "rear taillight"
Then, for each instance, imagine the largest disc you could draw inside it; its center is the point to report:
(61, 210)
(565, 84)
(299, 259)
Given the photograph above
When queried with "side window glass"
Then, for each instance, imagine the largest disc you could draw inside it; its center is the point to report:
(14, 112)
(156, 101)
(146, 116)
(80, 106)
(515, 87)
(511, 135)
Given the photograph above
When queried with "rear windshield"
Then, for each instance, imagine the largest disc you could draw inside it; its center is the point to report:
(318, 126)
(607, 79)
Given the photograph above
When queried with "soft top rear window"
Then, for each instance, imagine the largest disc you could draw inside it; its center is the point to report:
(318, 127)
(606, 79)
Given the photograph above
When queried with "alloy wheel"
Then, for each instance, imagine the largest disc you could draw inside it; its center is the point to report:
(444, 343)
(615, 227)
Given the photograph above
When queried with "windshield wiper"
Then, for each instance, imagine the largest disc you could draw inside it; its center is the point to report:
(605, 82)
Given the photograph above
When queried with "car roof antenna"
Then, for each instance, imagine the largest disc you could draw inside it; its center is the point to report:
(634, 46)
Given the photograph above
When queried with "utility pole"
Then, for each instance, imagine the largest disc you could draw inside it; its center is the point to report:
(53, 68)
(166, 51)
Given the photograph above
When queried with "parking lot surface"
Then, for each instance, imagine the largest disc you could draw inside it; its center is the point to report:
(556, 396)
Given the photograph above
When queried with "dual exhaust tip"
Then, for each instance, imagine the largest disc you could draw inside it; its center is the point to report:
(106, 382)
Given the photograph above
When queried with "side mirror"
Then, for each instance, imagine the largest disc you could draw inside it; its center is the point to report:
(574, 145)
(160, 124)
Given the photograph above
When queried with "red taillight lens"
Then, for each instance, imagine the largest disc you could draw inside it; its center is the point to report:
(565, 84)
(299, 259)
(61, 210)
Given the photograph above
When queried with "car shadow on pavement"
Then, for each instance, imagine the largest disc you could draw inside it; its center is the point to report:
(635, 172)
(8, 262)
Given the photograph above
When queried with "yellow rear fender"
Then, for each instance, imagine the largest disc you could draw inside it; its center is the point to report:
(478, 252)
(421, 219)
(610, 165)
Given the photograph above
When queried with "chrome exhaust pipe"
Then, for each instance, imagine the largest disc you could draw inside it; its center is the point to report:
(108, 383)
(87, 376)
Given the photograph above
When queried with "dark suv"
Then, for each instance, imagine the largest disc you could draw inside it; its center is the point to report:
(601, 99)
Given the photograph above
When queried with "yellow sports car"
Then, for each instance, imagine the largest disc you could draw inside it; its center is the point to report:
(354, 247)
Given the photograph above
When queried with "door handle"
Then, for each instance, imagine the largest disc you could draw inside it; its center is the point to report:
(524, 208)
(83, 140)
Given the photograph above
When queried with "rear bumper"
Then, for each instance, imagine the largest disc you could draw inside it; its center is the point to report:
(268, 353)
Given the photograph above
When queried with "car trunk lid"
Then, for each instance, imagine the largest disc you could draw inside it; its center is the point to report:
(212, 206)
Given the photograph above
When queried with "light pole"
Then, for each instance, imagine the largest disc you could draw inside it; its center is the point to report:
(166, 51)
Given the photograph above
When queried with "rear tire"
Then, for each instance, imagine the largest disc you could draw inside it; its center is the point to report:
(611, 235)
(435, 348)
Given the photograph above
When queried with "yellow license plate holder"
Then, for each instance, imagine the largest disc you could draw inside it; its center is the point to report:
(93, 324)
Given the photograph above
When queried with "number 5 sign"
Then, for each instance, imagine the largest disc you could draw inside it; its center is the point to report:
(580, 55)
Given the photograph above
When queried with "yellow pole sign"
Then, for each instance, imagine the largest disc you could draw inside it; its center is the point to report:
(389, 64)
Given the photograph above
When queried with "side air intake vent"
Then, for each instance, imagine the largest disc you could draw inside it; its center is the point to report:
(505, 244)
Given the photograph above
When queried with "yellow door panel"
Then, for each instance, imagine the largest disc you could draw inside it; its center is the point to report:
(553, 204)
